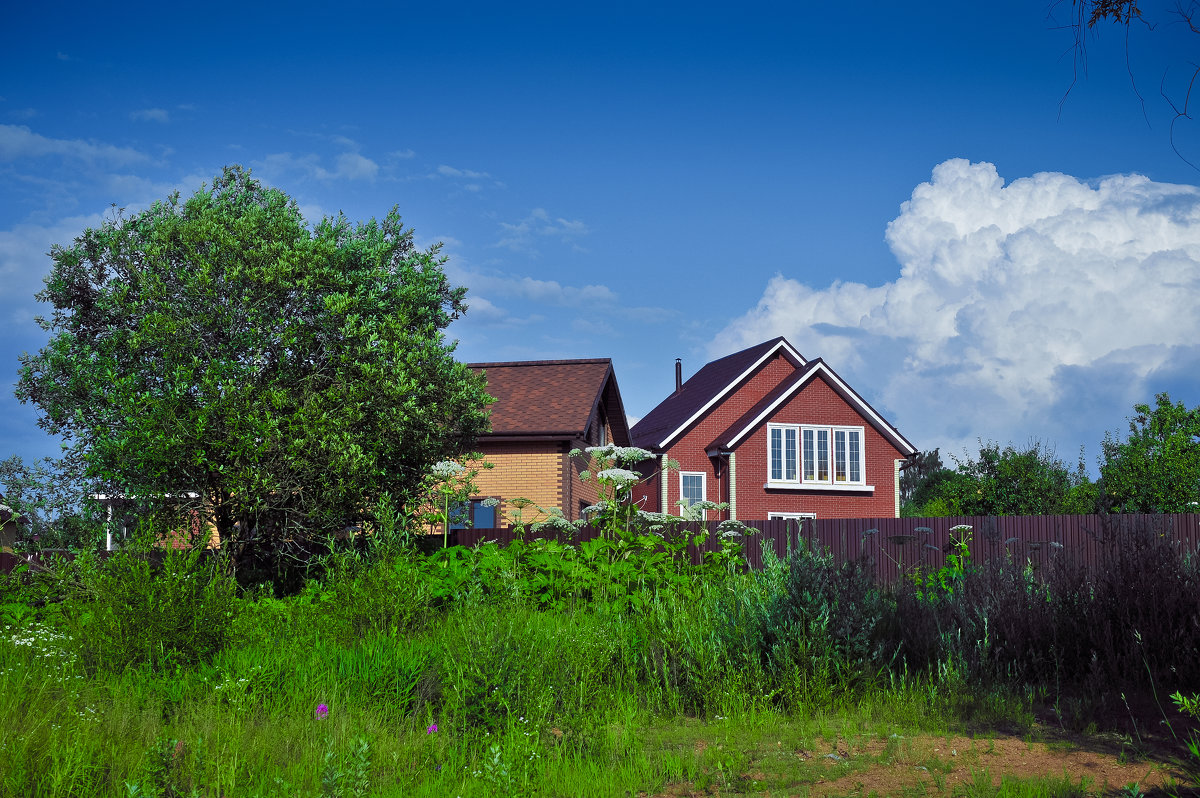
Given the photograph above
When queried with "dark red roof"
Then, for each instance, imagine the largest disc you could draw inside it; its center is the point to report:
(556, 398)
(704, 386)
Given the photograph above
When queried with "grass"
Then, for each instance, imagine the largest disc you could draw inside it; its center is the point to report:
(442, 678)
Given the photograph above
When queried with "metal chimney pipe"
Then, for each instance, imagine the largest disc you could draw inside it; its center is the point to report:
(678, 375)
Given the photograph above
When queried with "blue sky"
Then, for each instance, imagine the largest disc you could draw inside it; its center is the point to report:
(902, 190)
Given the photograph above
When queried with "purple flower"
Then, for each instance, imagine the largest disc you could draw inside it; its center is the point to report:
(431, 729)
(322, 712)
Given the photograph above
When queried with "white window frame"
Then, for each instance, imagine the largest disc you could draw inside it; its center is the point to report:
(771, 516)
(803, 464)
(703, 490)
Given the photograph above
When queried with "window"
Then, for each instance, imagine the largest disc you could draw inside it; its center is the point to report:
(691, 489)
(473, 514)
(771, 516)
(827, 455)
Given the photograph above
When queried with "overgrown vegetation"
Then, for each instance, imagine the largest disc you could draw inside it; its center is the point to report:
(549, 667)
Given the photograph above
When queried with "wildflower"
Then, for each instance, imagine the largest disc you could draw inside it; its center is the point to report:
(618, 476)
(432, 728)
(490, 501)
(446, 469)
(322, 712)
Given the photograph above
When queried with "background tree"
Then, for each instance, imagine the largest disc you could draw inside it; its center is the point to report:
(287, 376)
(46, 492)
(919, 480)
(1156, 469)
(1009, 481)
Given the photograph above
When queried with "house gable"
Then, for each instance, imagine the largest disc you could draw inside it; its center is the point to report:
(719, 435)
(706, 389)
(543, 409)
(770, 404)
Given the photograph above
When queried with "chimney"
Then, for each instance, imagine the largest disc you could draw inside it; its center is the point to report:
(678, 375)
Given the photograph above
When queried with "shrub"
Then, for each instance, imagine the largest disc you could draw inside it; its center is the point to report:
(134, 612)
(836, 606)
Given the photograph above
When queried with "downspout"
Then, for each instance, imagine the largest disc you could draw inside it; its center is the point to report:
(662, 481)
(733, 486)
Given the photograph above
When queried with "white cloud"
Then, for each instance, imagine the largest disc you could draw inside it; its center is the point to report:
(539, 224)
(18, 141)
(529, 289)
(401, 155)
(25, 262)
(450, 171)
(349, 166)
(1042, 308)
(151, 115)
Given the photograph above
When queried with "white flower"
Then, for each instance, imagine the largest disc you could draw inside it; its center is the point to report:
(620, 477)
(446, 469)
(490, 501)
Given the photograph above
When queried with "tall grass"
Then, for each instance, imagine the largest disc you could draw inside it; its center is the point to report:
(471, 673)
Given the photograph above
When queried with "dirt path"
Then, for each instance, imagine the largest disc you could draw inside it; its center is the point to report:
(943, 766)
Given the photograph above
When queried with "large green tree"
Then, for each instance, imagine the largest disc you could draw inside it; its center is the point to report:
(217, 354)
(1156, 469)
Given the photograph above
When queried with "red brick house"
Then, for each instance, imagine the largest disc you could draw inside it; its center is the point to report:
(543, 410)
(775, 436)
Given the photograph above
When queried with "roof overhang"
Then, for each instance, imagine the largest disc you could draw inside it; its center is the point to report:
(843, 390)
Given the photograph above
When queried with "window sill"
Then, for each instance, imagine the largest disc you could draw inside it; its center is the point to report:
(806, 486)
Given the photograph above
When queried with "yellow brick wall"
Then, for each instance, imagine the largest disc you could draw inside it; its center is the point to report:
(530, 471)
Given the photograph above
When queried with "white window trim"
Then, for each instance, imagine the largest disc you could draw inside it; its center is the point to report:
(703, 488)
(799, 483)
(771, 516)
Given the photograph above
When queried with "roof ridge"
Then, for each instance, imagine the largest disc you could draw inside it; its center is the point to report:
(567, 362)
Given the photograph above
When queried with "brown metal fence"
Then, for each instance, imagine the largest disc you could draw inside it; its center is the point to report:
(895, 545)
(898, 545)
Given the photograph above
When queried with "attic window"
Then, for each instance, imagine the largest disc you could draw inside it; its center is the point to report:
(826, 455)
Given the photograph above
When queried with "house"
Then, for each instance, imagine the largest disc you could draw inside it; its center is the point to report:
(775, 436)
(543, 410)
(13, 526)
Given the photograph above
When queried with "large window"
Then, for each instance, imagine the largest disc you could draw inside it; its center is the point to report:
(691, 489)
(473, 515)
(826, 456)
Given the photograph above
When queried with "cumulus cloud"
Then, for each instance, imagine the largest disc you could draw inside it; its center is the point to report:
(18, 141)
(151, 115)
(1045, 307)
(539, 224)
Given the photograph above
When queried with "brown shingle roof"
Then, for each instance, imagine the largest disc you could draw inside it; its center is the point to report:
(551, 397)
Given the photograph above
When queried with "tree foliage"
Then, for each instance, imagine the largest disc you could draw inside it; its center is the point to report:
(1008, 481)
(218, 355)
(46, 492)
(1156, 469)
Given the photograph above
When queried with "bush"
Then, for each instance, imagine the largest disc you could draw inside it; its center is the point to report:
(133, 612)
(837, 607)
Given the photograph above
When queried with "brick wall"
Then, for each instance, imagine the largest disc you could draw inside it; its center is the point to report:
(532, 471)
(816, 403)
(689, 449)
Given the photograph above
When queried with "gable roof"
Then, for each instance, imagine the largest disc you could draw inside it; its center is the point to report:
(552, 398)
(704, 390)
(817, 368)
